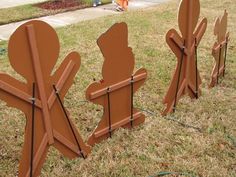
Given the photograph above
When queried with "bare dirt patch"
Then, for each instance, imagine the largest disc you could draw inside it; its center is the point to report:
(64, 4)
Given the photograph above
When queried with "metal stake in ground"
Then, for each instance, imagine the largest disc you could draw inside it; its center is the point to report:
(196, 68)
(68, 120)
(132, 100)
(109, 110)
(32, 134)
(180, 68)
(218, 68)
(226, 49)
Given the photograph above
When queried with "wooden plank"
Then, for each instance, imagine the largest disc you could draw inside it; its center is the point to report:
(117, 86)
(19, 94)
(65, 142)
(61, 82)
(39, 154)
(117, 125)
(40, 82)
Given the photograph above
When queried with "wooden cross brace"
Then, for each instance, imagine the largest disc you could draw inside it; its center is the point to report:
(219, 49)
(116, 122)
(186, 79)
(50, 127)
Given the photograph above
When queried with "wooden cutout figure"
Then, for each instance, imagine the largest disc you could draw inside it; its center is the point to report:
(115, 91)
(33, 52)
(219, 50)
(186, 79)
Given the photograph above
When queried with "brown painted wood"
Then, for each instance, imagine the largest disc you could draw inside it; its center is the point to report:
(33, 52)
(220, 31)
(189, 11)
(117, 72)
(117, 86)
(123, 4)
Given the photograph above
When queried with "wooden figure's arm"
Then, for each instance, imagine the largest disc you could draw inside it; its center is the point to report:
(217, 45)
(64, 76)
(198, 34)
(91, 93)
(142, 75)
(40, 147)
(201, 29)
(15, 93)
(175, 42)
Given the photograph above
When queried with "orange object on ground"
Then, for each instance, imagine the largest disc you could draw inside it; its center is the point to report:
(33, 52)
(219, 50)
(123, 4)
(115, 91)
(186, 79)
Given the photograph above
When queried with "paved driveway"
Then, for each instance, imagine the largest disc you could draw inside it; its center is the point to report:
(73, 17)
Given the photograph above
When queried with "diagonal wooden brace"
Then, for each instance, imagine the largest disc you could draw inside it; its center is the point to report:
(59, 85)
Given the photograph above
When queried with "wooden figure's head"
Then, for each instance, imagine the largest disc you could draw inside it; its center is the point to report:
(20, 51)
(119, 58)
(189, 11)
(220, 29)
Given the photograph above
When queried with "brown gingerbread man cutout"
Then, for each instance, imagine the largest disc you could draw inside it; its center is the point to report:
(219, 50)
(186, 79)
(33, 52)
(115, 91)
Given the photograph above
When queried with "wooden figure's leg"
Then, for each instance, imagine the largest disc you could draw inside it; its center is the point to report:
(69, 142)
(178, 83)
(171, 105)
(71, 146)
(40, 146)
(218, 69)
(96, 136)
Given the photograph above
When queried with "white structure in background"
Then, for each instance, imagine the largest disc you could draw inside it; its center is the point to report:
(13, 3)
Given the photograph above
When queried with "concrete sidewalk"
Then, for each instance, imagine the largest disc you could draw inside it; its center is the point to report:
(13, 3)
(73, 17)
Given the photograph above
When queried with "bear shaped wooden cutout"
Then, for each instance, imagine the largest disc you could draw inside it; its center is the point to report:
(219, 50)
(33, 52)
(115, 91)
(186, 79)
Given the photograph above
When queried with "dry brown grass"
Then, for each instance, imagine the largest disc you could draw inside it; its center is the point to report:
(162, 143)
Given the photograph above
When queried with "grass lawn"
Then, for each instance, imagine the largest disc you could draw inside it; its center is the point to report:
(161, 144)
(23, 12)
